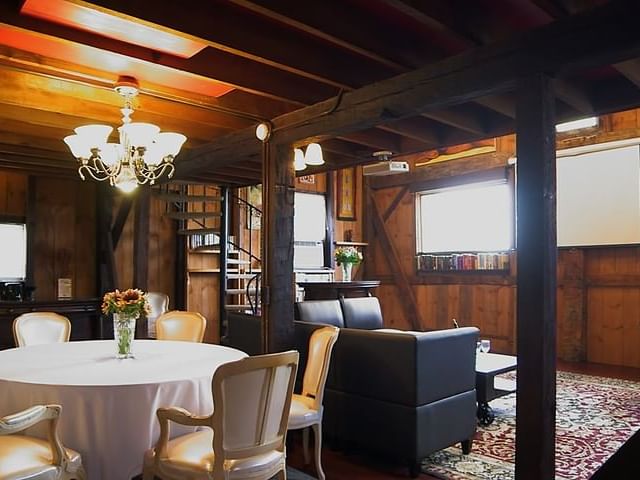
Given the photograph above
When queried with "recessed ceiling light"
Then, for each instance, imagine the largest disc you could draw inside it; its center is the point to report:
(100, 21)
(577, 124)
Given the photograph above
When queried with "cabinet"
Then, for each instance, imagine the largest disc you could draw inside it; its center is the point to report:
(85, 317)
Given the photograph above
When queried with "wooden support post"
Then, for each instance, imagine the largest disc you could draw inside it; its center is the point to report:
(401, 281)
(536, 297)
(277, 253)
(180, 302)
(141, 239)
(121, 219)
(105, 255)
(330, 223)
(572, 324)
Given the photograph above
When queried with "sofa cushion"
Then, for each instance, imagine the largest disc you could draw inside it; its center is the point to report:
(321, 311)
(362, 312)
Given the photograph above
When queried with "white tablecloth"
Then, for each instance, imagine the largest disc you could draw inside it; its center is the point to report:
(109, 405)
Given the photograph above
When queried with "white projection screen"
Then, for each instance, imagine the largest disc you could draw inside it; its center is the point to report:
(598, 198)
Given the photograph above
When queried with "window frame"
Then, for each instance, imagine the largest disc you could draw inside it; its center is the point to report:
(505, 174)
(11, 220)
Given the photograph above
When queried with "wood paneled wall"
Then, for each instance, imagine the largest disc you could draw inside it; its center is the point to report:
(162, 249)
(598, 288)
(64, 236)
(62, 219)
(13, 194)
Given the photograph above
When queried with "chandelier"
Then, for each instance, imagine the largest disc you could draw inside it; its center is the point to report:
(142, 156)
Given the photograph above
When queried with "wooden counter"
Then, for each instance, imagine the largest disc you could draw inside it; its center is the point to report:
(85, 317)
(333, 290)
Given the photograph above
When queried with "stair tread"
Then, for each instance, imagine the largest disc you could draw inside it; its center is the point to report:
(190, 215)
(238, 307)
(198, 231)
(177, 197)
(241, 291)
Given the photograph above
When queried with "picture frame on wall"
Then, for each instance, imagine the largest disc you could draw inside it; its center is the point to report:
(346, 205)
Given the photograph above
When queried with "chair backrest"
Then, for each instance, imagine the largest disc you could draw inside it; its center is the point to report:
(321, 345)
(182, 326)
(158, 304)
(252, 399)
(35, 328)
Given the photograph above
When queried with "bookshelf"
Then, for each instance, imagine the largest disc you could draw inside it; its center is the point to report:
(499, 262)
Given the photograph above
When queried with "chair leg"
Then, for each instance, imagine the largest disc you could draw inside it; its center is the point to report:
(466, 446)
(147, 472)
(282, 474)
(305, 445)
(317, 429)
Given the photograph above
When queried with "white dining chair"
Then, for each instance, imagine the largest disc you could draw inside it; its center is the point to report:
(245, 435)
(24, 457)
(181, 326)
(306, 407)
(158, 304)
(36, 328)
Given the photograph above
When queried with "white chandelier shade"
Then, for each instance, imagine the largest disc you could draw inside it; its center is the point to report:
(142, 155)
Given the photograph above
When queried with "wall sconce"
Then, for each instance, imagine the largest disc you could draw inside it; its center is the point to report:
(313, 156)
(263, 131)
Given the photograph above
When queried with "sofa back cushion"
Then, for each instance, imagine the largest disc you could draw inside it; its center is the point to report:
(321, 311)
(362, 312)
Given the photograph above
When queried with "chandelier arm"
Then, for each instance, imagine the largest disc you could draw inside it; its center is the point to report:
(90, 171)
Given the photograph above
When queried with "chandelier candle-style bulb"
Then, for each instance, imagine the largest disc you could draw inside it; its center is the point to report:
(142, 155)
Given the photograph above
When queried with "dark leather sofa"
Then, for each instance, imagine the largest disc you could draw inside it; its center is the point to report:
(401, 394)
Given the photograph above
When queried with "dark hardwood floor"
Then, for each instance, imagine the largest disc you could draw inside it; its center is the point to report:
(355, 466)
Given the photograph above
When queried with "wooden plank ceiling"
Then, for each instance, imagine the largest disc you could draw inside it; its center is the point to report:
(209, 68)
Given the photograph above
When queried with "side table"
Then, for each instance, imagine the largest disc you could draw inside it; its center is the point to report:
(488, 387)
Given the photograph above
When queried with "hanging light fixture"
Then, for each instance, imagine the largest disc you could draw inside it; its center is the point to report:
(142, 156)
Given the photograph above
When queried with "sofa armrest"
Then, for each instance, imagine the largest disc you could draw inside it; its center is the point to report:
(407, 369)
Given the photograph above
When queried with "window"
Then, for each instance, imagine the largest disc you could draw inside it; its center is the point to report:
(309, 230)
(475, 217)
(13, 251)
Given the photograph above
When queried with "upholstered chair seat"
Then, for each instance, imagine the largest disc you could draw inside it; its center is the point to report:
(192, 453)
(35, 328)
(303, 412)
(28, 458)
(181, 326)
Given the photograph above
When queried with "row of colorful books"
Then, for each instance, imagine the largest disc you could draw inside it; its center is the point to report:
(463, 262)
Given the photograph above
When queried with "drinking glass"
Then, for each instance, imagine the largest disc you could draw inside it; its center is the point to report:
(485, 346)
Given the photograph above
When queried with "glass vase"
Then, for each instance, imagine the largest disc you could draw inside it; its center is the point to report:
(346, 271)
(124, 329)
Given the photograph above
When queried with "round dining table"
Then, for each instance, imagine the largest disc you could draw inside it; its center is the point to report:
(108, 404)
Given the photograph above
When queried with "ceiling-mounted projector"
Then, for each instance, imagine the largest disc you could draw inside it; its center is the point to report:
(385, 166)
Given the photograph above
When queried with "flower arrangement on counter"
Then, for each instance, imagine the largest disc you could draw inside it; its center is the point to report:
(347, 255)
(128, 303)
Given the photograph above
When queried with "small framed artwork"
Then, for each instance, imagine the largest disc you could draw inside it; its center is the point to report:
(347, 194)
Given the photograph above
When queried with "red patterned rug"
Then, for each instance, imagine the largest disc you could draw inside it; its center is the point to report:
(594, 417)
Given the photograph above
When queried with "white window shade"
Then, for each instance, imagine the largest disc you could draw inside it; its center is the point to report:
(309, 221)
(469, 218)
(13, 252)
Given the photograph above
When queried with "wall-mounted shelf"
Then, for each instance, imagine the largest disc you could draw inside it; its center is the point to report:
(351, 244)
(464, 262)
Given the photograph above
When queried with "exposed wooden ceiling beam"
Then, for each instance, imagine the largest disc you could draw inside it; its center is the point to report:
(499, 103)
(260, 40)
(311, 18)
(631, 70)
(419, 11)
(572, 96)
(484, 71)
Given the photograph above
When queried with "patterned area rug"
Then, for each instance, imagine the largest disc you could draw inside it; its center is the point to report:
(595, 416)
